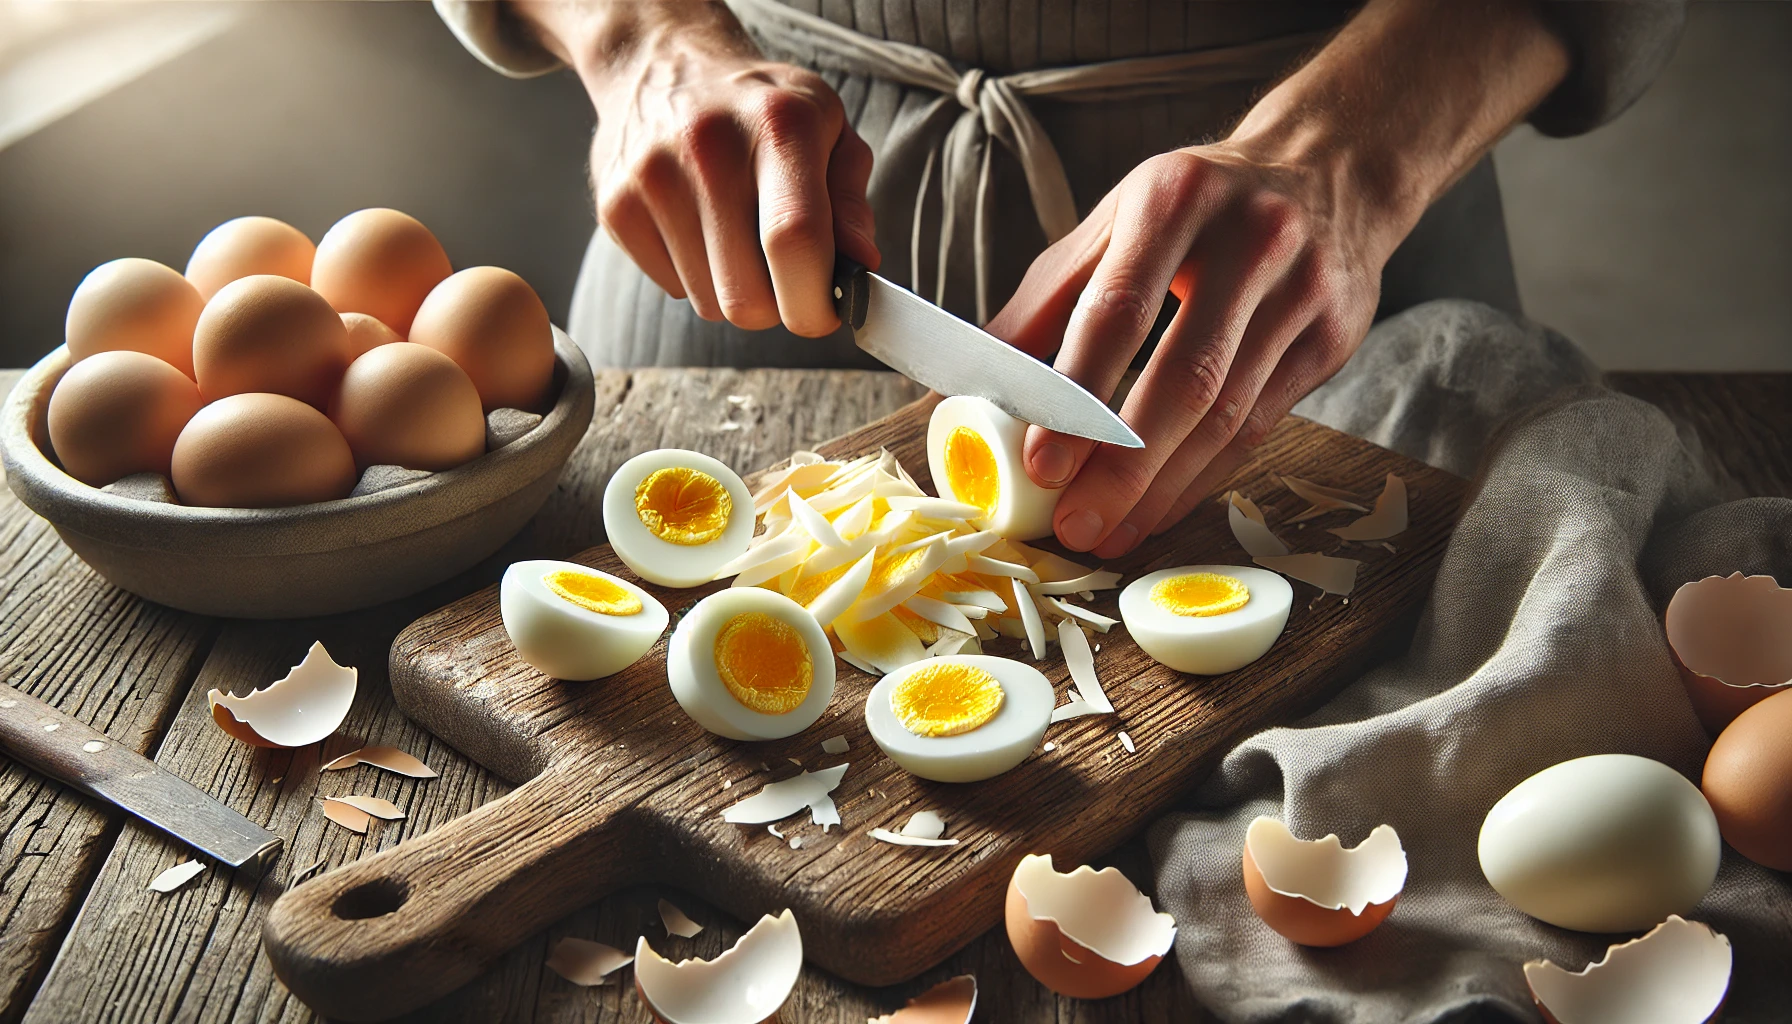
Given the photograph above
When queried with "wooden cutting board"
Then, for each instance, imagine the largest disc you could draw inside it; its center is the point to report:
(620, 787)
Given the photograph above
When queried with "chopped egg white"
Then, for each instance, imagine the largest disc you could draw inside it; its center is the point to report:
(960, 718)
(750, 664)
(1206, 619)
(577, 623)
(676, 517)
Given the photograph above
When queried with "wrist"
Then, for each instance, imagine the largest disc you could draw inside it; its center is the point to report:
(604, 41)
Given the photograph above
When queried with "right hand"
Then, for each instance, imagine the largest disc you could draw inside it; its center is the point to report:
(728, 178)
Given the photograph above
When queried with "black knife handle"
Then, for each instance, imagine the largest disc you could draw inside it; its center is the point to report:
(852, 291)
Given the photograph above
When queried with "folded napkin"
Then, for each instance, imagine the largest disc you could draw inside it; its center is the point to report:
(1541, 642)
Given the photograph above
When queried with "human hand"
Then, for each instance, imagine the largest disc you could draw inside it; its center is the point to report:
(729, 179)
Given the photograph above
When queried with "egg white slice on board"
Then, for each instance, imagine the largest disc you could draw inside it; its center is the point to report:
(979, 752)
(750, 664)
(577, 623)
(675, 517)
(1205, 644)
(974, 452)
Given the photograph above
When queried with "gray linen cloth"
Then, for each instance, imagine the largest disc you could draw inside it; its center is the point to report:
(1541, 642)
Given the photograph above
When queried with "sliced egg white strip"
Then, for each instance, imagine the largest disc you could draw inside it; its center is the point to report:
(769, 551)
(859, 663)
(971, 543)
(839, 595)
(950, 642)
(881, 640)
(779, 800)
(905, 588)
(855, 520)
(940, 613)
(972, 611)
(1029, 619)
(1076, 707)
(938, 508)
(924, 825)
(792, 480)
(841, 495)
(1098, 622)
(987, 599)
(920, 542)
(1252, 535)
(828, 559)
(815, 523)
(898, 839)
(1081, 662)
(1100, 579)
(996, 567)
(775, 567)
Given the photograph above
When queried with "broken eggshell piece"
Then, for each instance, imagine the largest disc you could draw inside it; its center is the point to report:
(745, 985)
(1318, 893)
(1087, 934)
(1732, 640)
(300, 708)
(1679, 973)
(952, 1001)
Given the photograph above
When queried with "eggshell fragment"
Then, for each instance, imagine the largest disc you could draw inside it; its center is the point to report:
(1087, 934)
(587, 963)
(952, 1001)
(676, 921)
(1386, 520)
(1679, 973)
(300, 708)
(390, 758)
(347, 815)
(1250, 530)
(379, 808)
(1748, 782)
(1328, 573)
(1732, 640)
(779, 800)
(1318, 893)
(176, 876)
(745, 985)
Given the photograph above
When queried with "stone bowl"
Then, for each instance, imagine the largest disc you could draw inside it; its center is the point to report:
(317, 559)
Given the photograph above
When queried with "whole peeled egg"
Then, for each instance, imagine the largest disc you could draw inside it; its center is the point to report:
(380, 262)
(974, 451)
(247, 246)
(261, 451)
(411, 406)
(493, 324)
(1748, 781)
(134, 304)
(366, 333)
(1607, 843)
(269, 334)
(117, 413)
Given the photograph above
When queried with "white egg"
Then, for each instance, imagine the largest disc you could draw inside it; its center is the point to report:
(574, 622)
(974, 453)
(1206, 619)
(750, 664)
(960, 718)
(1607, 843)
(675, 517)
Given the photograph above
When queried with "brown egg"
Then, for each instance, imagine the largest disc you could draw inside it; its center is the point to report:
(118, 413)
(379, 262)
(411, 406)
(134, 304)
(261, 451)
(1748, 782)
(270, 334)
(366, 333)
(247, 246)
(493, 324)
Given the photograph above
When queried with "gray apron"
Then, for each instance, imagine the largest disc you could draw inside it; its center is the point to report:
(993, 136)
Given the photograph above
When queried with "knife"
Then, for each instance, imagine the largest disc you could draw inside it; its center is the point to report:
(41, 737)
(925, 343)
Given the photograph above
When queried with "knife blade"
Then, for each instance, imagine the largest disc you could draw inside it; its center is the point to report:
(925, 343)
(40, 737)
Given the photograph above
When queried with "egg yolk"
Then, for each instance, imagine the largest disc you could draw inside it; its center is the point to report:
(946, 700)
(592, 593)
(764, 663)
(809, 588)
(681, 505)
(971, 470)
(891, 570)
(1200, 594)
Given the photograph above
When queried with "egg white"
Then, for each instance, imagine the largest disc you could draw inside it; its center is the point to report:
(1211, 644)
(567, 641)
(1023, 508)
(659, 561)
(983, 753)
(697, 684)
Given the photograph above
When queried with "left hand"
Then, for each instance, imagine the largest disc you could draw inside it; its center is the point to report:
(1279, 277)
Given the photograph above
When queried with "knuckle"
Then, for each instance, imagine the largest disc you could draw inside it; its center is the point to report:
(657, 172)
(1198, 377)
(1119, 305)
(792, 231)
(784, 112)
(1256, 427)
(748, 310)
(1177, 179)
(1128, 480)
(1277, 220)
(709, 138)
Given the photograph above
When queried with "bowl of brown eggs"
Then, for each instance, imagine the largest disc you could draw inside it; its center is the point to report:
(289, 429)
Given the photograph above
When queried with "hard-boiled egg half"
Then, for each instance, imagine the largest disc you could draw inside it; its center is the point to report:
(750, 664)
(960, 718)
(1206, 619)
(574, 622)
(675, 517)
(974, 453)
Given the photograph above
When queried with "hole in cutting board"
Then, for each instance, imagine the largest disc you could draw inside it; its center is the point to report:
(371, 899)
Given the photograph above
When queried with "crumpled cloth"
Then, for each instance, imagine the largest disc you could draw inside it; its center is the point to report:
(1541, 642)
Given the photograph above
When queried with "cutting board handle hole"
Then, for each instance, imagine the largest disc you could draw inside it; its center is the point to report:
(371, 899)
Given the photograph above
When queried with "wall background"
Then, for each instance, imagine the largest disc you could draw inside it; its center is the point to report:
(1662, 241)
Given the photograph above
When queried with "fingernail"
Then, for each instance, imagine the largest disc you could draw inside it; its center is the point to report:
(1053, 462)
(1080, 529)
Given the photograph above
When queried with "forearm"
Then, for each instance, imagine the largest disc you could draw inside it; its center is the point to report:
(603, 40)
(1403, 101)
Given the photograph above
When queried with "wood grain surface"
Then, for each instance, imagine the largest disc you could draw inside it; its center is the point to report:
(630, 790)
(194, 955)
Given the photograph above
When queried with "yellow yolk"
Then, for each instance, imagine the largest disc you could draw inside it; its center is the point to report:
(680, 505)
(889, 571)
(592, 593)
(764, 662)
(971, 471)
(946, 700)
(926, 630)
(809, 588)
(1200, 594)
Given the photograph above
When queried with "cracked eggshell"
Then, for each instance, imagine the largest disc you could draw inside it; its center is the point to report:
(745, 985)
(1317, 893)
(953, 1001)
(302, 707)
(1732, 640)
(1679, 973)
(1087, 934)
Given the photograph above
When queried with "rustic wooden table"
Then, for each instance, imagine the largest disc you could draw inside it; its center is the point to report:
(82, 940)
